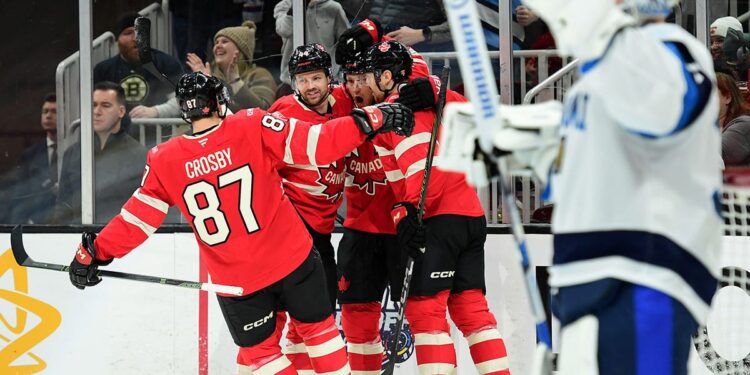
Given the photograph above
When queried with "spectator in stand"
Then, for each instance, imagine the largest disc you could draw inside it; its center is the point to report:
(325, 21)
(734, 118)
(145, 94)
(252, 86)
(718, 32)
(356, 10)
(35, 189)
(420, 23)
(535, 32)
(118, 161)
(526, 27)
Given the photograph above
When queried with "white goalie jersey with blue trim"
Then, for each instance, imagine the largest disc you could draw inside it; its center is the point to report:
(641, 150)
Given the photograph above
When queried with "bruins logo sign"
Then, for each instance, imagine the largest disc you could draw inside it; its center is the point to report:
(136, 88)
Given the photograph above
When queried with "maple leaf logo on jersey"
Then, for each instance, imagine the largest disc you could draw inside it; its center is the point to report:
(384, 47)
(359, 172)
(331, 177)
(343, 284)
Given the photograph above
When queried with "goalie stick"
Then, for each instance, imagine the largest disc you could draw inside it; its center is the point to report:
(474, 61)
(23, 259)
(143, 42)
(420, 213)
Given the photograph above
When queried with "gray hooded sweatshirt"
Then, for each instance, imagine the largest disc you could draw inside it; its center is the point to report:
(324, 23)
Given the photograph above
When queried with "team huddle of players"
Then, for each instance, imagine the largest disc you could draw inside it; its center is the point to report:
(366, 139)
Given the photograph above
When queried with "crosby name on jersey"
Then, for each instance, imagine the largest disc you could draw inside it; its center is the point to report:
(210, 163)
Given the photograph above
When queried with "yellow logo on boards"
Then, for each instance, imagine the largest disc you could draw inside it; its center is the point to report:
(22, 338)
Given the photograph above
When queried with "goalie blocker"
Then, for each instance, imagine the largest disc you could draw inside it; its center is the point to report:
(528, 134)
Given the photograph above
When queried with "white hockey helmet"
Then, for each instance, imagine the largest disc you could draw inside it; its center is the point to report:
(582, 28)
(649, 8)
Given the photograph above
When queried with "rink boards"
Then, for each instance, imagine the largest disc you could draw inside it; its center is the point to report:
(126, 327)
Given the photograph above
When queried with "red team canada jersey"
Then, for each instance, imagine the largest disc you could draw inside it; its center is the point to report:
(368, 197)
(315, 190)
(225, 183)
(404, 162)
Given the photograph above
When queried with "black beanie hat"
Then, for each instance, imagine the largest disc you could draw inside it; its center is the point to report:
(124, 22)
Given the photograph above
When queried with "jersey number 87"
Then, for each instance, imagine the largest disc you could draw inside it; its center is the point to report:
(211, 211)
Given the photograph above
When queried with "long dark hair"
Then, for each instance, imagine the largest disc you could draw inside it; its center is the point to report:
(737, 106)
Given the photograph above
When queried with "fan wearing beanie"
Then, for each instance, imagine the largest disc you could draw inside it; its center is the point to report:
(251, 85)
(718, 33)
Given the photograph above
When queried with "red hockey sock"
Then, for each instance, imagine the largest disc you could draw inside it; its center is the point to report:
(469, 311)
(324, 346)
(361, 324)
(432, 340)
(265, 358)
(279, 365)
(297, 352)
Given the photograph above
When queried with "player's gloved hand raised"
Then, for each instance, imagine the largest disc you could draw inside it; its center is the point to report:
(85, 267)
(417, 94)
(411, 235)
(357, 39)
(384, 118)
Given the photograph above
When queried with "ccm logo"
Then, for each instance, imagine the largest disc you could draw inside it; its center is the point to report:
(258, 322)
(442, 274)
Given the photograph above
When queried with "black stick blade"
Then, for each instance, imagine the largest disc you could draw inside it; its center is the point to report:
(143, 39)
(16, 244)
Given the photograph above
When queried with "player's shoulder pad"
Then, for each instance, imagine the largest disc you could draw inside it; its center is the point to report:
(277, 115)
(391, 98)
(453, 96)
(670, 33)
(255, 112)
(635, 55)
(285, 101)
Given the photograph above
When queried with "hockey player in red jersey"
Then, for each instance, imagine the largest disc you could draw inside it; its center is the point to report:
(419, 92)
(368, 243)
(314, 190)
(223, 179)
(450, 273)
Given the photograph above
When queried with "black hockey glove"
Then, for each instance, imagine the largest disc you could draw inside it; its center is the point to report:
(417, 94)
(84, 268)
(411, 235)
(384, 118)
(357, 39)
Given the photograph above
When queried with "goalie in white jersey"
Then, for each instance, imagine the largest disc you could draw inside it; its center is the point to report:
(635, 182)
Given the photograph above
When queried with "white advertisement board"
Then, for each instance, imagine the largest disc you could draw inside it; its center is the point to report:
(128, 327)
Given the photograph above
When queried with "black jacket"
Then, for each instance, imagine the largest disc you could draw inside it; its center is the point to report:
(141, 87)
(118, 169)
(34, 189)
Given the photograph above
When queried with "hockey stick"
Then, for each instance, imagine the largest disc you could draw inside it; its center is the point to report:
(23, 259)
(474, 61)
(143, 42)
(420, 213)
